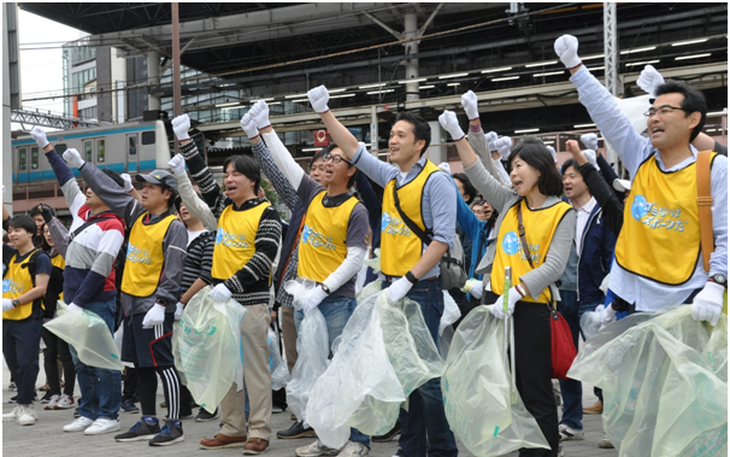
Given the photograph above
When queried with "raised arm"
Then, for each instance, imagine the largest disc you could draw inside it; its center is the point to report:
(195, 205)
(318, 97)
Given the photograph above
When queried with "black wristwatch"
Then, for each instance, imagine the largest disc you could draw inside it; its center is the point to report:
(720, 279)
(411, 277)
(325, 288)
(15, 302)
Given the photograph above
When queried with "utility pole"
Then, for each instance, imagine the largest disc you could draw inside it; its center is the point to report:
(176, 94)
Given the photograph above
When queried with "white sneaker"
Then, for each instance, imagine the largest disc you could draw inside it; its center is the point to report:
(354, 449)
(12, 416)
(27, 415)
(315, 449)
(570, 434)
(79, 425)
(605, 442)
(65, 402)
(52, 402)
(101, 426)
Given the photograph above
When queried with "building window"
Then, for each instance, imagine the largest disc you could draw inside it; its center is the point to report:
(148, 137)
(100, 152)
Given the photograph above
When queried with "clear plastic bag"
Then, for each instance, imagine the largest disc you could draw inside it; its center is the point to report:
(451, 314)
(477, 392)
(385, 353)
(90, 336)
(279, 371)
(207, 347)
(664, 381)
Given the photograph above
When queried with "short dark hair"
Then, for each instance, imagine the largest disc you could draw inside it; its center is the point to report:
(248, 166)
(116, 177)
(35, 211)
(569, 163)
(317, 155)
(326, 150)
(421, 129)
(694, 100)
(469, 188)
(24, 222)
(534, 152)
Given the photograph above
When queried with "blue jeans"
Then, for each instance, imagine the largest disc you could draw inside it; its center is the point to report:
(572, 390)
(424, 428)
(101, 390)
(21, 344)
(336, 311)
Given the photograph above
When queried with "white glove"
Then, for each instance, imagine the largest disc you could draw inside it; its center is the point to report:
(590, 155)
(220, 293)
(504, 146)
(446, 167)
(590, 140)
(181, 125)
(73, 307)
(398, 290)
(513, 297)
(566, 47)
(249, 126)
(649, 80)
(552, 153)
(313, 298)
(707, 305)
(318, 98)
(39, 136)
(491, 137)
(73, 158)
(7, 305)
(608, 314)
(179, 310)
(128, 186)
(177, 165)
(474, 287)
(155, 316)
(471, 105)
(260, 114)
(450, 123)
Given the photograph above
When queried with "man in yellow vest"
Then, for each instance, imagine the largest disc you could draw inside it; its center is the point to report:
(150, 291)
(26, 271)
(658, 256)
(428, 197)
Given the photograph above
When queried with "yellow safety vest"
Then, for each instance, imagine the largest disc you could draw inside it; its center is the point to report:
(540, 226)
(145, 256)
(235, 242)
(59, 262)
(322, 245)
(660, 238)
(18, 281)
(401, 248)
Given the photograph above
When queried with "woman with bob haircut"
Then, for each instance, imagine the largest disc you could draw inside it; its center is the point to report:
(549, 227)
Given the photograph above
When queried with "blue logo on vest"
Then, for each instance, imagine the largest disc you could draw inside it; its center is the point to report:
(639, 207)
(511, 243)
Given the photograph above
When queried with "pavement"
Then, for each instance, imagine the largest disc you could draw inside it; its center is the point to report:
(47, 439)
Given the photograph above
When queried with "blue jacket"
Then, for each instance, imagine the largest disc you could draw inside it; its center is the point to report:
(595, 254)
(477, 231)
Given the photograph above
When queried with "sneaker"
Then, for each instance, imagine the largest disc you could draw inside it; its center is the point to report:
(276, 409)
(221, 441)
(605, 442)
(12, 415)
(47, 397)
(79, 425)
(595, 409)
(163, 404)
(144, 429)
(395, 431)
(51, 403)
(129, 407)
(316, 449)
(205, 416)
(45, 388)
(570, 434)
(102, 425)
(27, 415)
(297, 430)
(255, 446)
(65, 402)
(354, 449)
(12, 386)
(170, 433)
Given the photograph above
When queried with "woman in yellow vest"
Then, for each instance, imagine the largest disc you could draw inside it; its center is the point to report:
(549, 226)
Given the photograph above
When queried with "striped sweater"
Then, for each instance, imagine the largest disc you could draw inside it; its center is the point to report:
(199, 260)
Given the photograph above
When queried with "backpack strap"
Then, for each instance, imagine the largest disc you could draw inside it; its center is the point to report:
(704, 202)
(83, 227)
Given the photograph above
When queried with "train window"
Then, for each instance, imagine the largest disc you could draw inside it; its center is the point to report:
(148, 137)
(88, 149)
(132, 145)
(60, 148)
(22, 159)
(100, 152)
(34, 158)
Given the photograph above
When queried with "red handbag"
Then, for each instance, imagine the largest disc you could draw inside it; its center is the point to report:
(561, 344)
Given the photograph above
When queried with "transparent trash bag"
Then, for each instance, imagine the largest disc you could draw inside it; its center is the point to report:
(207, 347)
(279, 371)
(312, 351)
(90, 336)
(664, 381)
(384, 354)
(477, 392)
(451, 314)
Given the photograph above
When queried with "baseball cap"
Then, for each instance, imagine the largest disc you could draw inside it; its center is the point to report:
(159, 177)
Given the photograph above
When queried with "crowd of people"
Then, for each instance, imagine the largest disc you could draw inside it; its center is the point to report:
(576, 237)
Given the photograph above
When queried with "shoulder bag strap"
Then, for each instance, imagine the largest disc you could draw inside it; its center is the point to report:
(704, 201)
(411, 225)
(521, 228)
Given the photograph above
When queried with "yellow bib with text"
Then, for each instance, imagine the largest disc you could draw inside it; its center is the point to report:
(145, 256)
(400, 248)
(17, 282)
(540, 226)
(235, 242)
(660, 238)
(322, 246)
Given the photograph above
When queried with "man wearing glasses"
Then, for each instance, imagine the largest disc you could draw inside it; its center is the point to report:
(658, 251)
(332, 245)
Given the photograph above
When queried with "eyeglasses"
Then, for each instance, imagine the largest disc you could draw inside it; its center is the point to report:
(336, 159)
(662, 111)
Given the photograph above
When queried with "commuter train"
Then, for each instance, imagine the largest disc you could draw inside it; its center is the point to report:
(133, 147)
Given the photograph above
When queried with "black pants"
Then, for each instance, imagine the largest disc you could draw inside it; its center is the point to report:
(55, 348)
